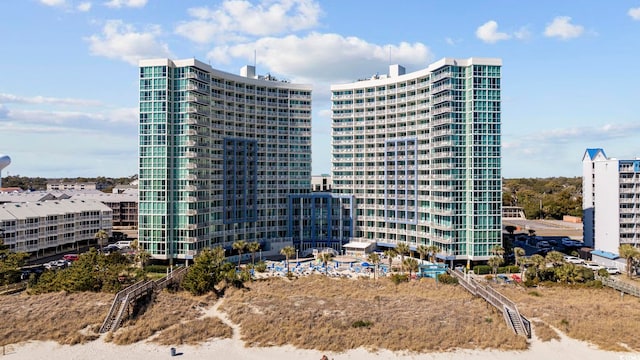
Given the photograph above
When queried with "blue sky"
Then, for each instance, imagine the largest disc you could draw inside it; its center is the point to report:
(69, 89)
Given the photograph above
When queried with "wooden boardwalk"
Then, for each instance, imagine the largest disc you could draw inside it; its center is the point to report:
(619, 285)
(129, 296)
(518, 323)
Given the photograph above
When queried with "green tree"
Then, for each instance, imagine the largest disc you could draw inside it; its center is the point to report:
(423, 251)
(411, 264)
(253, 247)
(102, 236)
(374, 258)
(518, 254)
(325, 257)
(390, 254)
(630, 253)
(10, 263)
(208, 270)
(402, 249)
(239, 246)
(495, 261)
(433, 250)
(539, 264)
(555, 258)
(288, 252)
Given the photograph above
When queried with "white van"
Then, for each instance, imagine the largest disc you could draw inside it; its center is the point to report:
(122, 244)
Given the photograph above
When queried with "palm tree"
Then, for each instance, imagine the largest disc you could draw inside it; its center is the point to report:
(495, 262)
(518, 253)
(239, 246)
(630, 253)
(497, 250)
(325, 257)
(390, 254)
(423, 250)
(102, 237)
(539, 264)
(411, 264)
(402, 249)
(554, 258)
(433, 250)
(288, 252)
(253, 247)
(374, 259)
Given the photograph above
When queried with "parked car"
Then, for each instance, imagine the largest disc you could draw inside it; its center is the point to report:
(109, 249)
(543, 244)
(593, 266)
(612, 270)
(573, 259)
(70, 257)
(122, 244)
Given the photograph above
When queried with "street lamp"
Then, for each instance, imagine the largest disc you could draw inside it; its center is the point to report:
(296, 256)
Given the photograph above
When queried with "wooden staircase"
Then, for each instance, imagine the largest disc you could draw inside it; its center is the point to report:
(518, 323)
(133, 293)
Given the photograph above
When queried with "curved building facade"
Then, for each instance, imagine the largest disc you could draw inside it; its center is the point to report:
(421, 154)
(220, 154)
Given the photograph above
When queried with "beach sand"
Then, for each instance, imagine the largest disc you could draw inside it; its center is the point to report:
(233, 349)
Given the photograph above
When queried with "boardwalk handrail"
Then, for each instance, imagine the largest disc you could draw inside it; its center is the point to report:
(499, 301)
(11, 288)
(132, 293)
(620, 286)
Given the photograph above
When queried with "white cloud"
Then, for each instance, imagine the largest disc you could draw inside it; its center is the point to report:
(562, 28)
(109, 121)
(522, 34)
(126, 3)
(324, 57)
(121, 41)
(452, 42)
(634, 13)
(235, 19)
(488, 32)
(53, 2)
(10, 98)
(84, 6)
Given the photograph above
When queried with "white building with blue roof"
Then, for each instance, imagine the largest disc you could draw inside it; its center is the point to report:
(610, 201)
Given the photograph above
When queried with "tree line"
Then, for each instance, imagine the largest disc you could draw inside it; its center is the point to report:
(40, 183)
(544, 198)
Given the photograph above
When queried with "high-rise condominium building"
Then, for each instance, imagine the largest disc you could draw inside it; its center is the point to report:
(220, 154)
(610, 201)
(421, 154)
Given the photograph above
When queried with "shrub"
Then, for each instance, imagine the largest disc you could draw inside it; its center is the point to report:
(488, 277)
(482, 269)
(511, 269)
(260, 266)
(597, 284)
(156, 269)
(529, 283)
(361, 323)
(399, 278)
(447, 279)
(534, 293)
(603, 272)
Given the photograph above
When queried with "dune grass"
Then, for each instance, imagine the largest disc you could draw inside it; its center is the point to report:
(322, 313)
(544, 332)
(166, 310)
(318, 312)
(194, 332)
(67, 318)
(599, 316)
